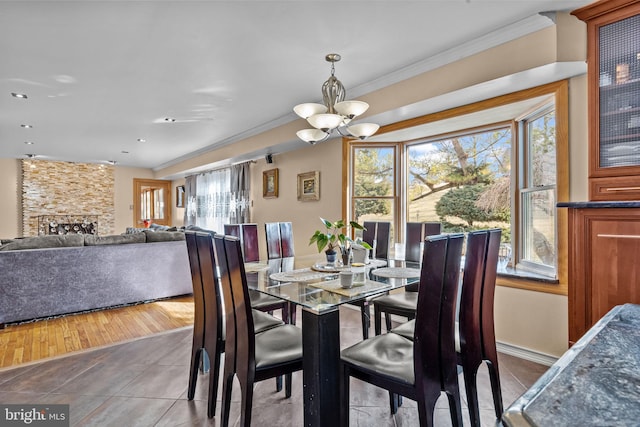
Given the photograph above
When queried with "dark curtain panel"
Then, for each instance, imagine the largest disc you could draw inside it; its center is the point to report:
(190, 199)
(240, 193)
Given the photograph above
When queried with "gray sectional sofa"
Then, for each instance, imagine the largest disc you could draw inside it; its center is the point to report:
(53, 275)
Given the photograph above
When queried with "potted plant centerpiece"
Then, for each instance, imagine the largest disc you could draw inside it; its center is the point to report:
(332, 239)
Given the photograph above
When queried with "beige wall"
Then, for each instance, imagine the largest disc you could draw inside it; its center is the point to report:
(305, 216)
(10, 213)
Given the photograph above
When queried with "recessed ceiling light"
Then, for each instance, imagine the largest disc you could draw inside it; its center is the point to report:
(19, 95)
(169, 119)
(26, 126)
(142, 140)
(28, 142)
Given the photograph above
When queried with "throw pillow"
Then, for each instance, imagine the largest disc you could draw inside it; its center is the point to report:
(163, 236)
(91, 240)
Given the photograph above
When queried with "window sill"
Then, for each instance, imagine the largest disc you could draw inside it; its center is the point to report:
(522, 279)
(514, 273)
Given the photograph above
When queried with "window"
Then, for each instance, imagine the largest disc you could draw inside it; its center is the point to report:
(374, 184)
(537, 251)
(218, 197)
(500, 171)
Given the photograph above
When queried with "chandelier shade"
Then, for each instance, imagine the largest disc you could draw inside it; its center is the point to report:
(363, 130)
(309, 109)
(335, 113)
(325, 122)
(312, 135)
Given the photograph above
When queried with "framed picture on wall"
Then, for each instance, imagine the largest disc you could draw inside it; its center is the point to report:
(270, 183)
(180, 196)
(309, 186)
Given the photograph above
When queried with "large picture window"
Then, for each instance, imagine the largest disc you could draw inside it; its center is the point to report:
(499, 172)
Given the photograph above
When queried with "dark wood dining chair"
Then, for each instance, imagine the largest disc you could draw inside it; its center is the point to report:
(279, 237)
(208, 331)
(378, 236)
(422, 368)
(415, 234)
(404, 304)
(286, 239)
(248, 235)
(250, 356)
(272, 233)
(197, 345)
(475, 336)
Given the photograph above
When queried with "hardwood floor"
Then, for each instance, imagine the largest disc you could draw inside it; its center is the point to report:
(28, 342)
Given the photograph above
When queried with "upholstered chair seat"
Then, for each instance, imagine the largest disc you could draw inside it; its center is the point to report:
(390, 355)
(278, 346)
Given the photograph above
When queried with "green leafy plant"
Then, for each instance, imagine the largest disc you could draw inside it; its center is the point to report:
(332, 237)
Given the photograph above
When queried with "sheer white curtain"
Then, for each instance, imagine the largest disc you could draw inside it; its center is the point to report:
(218, 197)
(213, 197)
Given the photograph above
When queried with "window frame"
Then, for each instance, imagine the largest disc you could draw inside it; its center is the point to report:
(525, 185)
(559, 90)
(140, 187)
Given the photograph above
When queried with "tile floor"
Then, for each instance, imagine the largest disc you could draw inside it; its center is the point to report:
(144, 383)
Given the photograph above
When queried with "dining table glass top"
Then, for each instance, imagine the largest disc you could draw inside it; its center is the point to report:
(315, 285)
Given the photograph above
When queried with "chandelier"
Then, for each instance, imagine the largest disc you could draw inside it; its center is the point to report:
(335, 114)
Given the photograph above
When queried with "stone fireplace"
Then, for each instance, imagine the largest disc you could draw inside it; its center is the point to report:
(57, 197)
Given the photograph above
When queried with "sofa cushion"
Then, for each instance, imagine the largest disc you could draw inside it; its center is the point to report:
(131, 230)
(42, 242)
(163, 236)
(91, 240)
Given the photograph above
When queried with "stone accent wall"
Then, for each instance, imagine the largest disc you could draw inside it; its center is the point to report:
(66, 188)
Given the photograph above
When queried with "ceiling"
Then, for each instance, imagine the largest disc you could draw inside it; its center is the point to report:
(102, 75)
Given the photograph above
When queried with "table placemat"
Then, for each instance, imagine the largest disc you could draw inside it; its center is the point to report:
(397, 272)
(334, 286)
(377, 262)
(300, 275)
(253, 267)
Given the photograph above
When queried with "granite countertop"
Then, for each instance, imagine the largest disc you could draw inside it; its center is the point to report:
(607, 204)
(595, 383)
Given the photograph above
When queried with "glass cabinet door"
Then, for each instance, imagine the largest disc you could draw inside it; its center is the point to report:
(619, 93)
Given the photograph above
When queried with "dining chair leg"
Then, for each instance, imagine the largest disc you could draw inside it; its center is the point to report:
(455, 409)
(287, 385)
(193, 371)
(387, 321)
(214, 376)
(246, 392)
(377, 321)
(471, 388)
(227, 386)
(425, 413)
(496, 391)
(393, 403)
(365, 313)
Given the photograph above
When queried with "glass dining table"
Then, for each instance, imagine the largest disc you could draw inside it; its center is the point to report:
(315, 286)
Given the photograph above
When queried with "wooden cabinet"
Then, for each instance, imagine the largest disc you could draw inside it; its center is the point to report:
(604, 260)
(613, 57)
